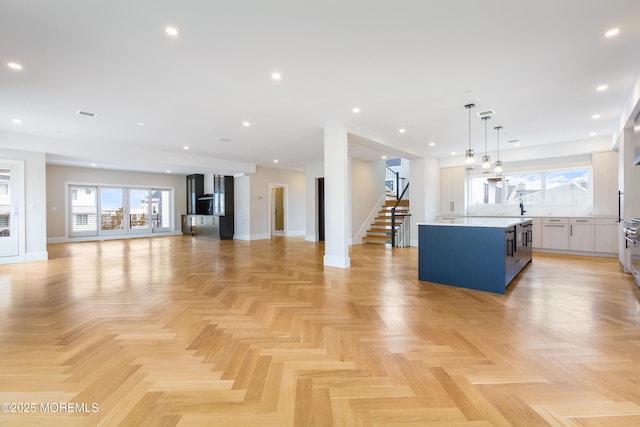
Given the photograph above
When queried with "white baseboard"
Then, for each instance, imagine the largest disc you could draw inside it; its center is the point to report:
(53, 240)
(311, 237)
(293, 233)
(335, 261)
(241, 237)
(27, 257)
(261, 236)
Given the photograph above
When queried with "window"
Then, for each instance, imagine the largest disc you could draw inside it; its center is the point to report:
(526, 187)
(101, 211)
(553, 187)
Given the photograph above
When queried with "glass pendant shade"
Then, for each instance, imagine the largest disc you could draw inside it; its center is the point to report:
(498, 169)
(469, 159)
(486, 161)
(486, 164)
(469, 155)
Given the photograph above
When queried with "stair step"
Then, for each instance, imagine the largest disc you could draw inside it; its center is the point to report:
(392, 202)
(378, 239)
(379, 230)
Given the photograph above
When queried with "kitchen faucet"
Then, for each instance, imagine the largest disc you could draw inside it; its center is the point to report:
(522, 211)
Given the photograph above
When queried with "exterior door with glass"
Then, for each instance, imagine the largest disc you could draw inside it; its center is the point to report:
(8, 210)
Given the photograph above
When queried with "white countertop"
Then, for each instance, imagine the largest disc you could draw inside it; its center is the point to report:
(481, 222)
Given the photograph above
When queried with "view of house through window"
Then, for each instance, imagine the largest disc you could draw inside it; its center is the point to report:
(570, 186)
(121, 210)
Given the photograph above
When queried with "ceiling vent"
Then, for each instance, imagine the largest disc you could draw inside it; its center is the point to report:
(485, 113)
(514, 140)
(86, 113)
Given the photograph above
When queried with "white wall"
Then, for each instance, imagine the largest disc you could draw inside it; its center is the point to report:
(35, 198)
(424, 192)
(242, 207)
(57, 178)
(259, 201)
(367, 187)
(544, 151)
(313, 171)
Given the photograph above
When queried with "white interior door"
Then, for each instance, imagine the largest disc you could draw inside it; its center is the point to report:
(9, 210)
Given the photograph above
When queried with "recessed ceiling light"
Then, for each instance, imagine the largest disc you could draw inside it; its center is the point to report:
(356, 110)
(276, 76)
(612, 32)
(592, 134)
(453, 153)
(595, 116)
(186, 147)
(168, 171)
(172, 31)
(431, 144)
(93, 165)
(517, 144)
(384, 157)
(601, 88)
(402, 130)
(246, 124)
(14, 66)
(140, 124)
(275, 161)
(17, 121)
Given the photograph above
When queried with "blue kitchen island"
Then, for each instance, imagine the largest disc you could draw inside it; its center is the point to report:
(475, 253)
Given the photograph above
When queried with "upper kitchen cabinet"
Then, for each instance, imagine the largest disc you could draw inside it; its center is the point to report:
(195, 190)
(605, 183)
(452, 191)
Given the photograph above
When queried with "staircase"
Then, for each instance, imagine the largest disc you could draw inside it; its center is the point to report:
(380, 230)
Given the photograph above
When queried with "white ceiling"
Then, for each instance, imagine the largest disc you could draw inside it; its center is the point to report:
(409, 64)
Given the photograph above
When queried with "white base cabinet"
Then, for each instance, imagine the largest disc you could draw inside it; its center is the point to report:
(593, 235)
(607, 235)
(582, 235)
(555, 233)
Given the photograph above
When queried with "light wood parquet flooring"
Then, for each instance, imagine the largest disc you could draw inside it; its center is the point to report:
(181, 331)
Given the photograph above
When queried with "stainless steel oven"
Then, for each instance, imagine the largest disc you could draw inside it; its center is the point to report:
(632, 246)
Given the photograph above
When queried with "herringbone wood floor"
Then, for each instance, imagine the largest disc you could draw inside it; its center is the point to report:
(194, 332)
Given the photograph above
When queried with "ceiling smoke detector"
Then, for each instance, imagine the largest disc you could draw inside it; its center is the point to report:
(485, 113)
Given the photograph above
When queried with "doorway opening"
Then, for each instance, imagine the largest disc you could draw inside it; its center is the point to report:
(277, 209)
(320, 204)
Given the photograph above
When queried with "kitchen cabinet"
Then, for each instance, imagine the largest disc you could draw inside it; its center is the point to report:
(452, 190)
(582, 235)
(536, 233)
(605, 183)
(555, 233)
(474, 253)
(195, 190)
(607, 234)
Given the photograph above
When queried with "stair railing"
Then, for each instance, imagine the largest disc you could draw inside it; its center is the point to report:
(403, 230)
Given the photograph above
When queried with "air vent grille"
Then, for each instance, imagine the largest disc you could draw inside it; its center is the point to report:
(86, 113)
(485, 113)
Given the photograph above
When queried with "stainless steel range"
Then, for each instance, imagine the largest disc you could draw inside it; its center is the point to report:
(632, 245)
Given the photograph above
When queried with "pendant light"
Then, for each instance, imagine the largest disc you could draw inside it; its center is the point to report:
(469, 157)
(498, 169)
(486, 162)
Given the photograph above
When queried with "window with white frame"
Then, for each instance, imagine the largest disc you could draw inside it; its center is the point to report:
(551, 187)
(104, 210)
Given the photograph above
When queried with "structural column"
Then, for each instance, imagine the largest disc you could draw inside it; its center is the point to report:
(336, 195)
